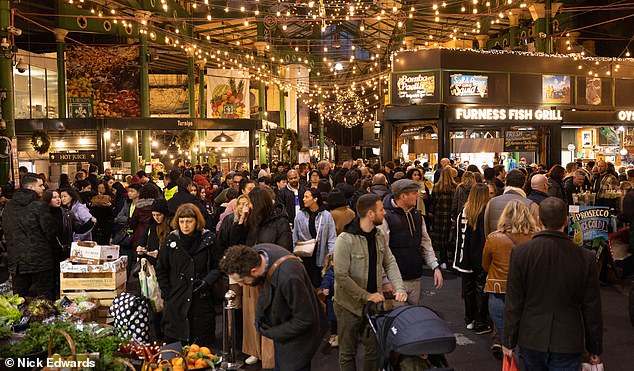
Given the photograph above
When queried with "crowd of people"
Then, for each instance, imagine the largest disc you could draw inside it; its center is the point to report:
(365, 234)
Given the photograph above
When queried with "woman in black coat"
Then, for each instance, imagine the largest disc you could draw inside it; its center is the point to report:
(65, 225)
(101, 209)
(268, 222)
(186, 271)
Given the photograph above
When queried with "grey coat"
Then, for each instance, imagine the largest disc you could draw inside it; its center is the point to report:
(497, 204)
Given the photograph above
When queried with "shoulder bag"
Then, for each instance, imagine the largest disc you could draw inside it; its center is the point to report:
(306, 249)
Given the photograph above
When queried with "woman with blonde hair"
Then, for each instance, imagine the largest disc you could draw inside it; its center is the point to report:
(440, 212)
(470, 241)
(516, 225)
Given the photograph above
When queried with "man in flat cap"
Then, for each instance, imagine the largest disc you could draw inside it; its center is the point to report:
(408, 238)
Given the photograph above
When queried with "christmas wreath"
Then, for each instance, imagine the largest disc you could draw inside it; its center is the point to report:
(271, 138)
(40, 141)
(186, 140)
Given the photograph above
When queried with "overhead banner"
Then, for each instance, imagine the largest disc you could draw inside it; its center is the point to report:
(103, 81)
(469, 86)
(228, 93)
(588, 226)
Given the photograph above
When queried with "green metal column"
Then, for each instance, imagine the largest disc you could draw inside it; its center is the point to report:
(191, 90)
(130, 145)
(262, 106)
(548, 40)
(202, 106)
(282, 109)
(60, 36)
(514, 27)
(146, 135)
(6, 84)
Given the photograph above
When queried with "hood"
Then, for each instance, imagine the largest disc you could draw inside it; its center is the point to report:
(171, 185)
(387, 203)
(24, 197)
(353, 227)
(144, 202)
(278, 213)
(380, 190)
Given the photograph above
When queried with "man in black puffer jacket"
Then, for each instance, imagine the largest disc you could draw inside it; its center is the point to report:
(30, 233)
(184, 197)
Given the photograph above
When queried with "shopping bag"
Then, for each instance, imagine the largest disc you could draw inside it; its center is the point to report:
(149, 286)
(590, 367)
(509, 364)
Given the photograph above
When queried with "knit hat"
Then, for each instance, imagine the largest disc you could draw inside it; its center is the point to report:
(160, 206)
(404, 186)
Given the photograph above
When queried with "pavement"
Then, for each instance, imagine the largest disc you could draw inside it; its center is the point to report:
(472, 351)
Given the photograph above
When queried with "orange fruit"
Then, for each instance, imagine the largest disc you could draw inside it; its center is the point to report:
(194, 348)
(200, 363)
(178, 368)
(206, 351)
(177, 361)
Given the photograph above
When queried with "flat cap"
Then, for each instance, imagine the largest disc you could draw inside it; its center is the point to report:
(405, 186)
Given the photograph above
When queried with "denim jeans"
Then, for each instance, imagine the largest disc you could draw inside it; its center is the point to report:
(496, 312)
(544, 361)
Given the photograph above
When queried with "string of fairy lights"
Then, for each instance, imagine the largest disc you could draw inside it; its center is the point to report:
(350, 59)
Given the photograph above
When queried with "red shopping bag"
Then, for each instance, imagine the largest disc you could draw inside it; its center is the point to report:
(509, 364)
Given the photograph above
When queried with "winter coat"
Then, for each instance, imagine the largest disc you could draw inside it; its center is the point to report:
(537, 196)
(556, 189)
(326, 233)
(459, 199)
(184, 197)
(469, 244)
(176, 271)
(357, 195)
(496, 258)
(140, 220)
(342, 217)
(65, 224)
(351, 262)
(441, 210)
(29, 232)
(286, 197)
(82, 213)
(329, 281)
(347, 190)
(275, 229)
(496, 206)
(123, 216)
(380, 190)
(289, 311)
(101, 209)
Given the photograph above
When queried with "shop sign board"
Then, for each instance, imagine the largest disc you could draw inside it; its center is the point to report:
(521, 141)
(503, 114)
(415, 86)
(625, 116)
(82, 156)
(80, 107)
(469, 86)
(588, 226)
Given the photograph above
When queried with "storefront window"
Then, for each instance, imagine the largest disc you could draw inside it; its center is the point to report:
(35, 93)
(38, 92)
(51, 91)
(21, 94)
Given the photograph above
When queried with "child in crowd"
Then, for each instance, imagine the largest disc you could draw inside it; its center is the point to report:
(328, 289)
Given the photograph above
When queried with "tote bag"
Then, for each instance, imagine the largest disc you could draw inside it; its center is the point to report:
(149, 286)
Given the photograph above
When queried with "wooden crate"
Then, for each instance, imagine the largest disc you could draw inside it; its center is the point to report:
(101, 286)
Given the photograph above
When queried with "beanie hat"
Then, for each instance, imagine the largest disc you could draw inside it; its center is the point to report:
(160, 206)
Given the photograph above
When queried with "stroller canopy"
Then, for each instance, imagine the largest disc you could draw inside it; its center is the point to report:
(414, 330)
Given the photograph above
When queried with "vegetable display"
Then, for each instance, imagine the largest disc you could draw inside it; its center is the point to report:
(9, 314)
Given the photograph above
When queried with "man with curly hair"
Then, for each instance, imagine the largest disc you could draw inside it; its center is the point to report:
(288, 310)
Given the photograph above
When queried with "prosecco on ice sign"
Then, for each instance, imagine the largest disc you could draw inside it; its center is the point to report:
(503, 114)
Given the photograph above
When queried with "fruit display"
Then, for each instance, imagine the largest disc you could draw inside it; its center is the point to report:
(194, 358)
(227, 101)
(110, 76)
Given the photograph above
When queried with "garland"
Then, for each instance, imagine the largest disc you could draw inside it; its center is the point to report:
(186, 140)
(271, 138)
(40, 141)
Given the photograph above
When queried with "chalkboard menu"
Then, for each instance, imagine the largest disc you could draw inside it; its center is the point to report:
(521, 141)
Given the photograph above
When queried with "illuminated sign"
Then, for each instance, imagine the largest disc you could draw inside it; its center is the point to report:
(503, 114)
(469, 86)
(626, 115)
(415, 86)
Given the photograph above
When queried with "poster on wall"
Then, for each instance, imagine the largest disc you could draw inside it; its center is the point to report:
(588, 226)
(608, 137)
(412, 87)
(228, 93)
(469, 86)
(593, 91)
(556, 89)
(109, 76)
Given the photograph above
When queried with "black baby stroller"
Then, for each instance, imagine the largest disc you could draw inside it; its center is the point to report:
(412, 337)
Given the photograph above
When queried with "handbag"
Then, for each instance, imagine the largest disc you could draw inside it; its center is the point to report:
(123, 237)
(306, 249)
(149, 286)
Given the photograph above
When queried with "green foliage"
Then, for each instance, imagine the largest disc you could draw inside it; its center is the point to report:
(186, 140)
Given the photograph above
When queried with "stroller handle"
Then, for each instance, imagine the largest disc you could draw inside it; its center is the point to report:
(371, 308)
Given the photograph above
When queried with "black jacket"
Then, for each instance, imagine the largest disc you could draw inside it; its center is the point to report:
(184, 197)
(176, 272)
(30, 233)
(380, 190)
(537, 196)
(632, 303)
(552, 299)
(275, 229)
(405, 239)
(289, 311)
(347, 190)
(556, 189)
(66, 224)
(286, 198)
(459, 199)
